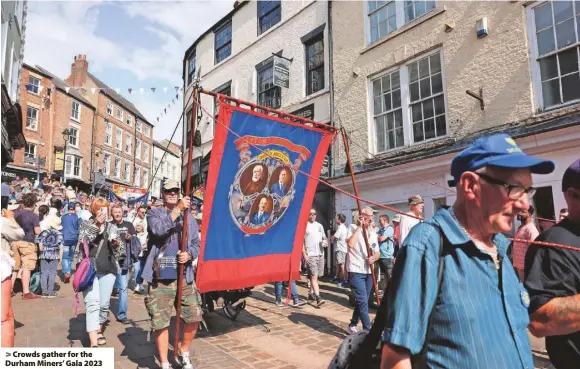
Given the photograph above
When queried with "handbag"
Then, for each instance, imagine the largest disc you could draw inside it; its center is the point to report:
(363, 350)
(86, 271)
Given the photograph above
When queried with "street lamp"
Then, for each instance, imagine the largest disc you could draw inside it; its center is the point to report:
(65, 135)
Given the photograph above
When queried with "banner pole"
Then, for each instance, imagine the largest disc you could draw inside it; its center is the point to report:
(355, 188)
(180, 267)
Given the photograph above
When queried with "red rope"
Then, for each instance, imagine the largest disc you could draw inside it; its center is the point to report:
(360, 198)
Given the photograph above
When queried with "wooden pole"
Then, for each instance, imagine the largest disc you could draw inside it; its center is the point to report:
(355, 188)
(183, 248)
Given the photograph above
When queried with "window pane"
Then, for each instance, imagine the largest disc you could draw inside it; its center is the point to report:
(418, 132)
(387, 102)
(399, 119)
(399, 136)
(565, 33)
(425, 88)
(413, 72)
(571, 87)
(436, 83)
(429, 128)
(551, 92)
(424, 68)
(440, 125)
(391, 138)
(428, 109)
(545, 41)
(416, 112)
(414, 90)
(562, 10)
(568, 61)
(396, 99)
(395, 80)
(378, 106)
(377, 87)
(435, 61)
(386, 83)
(390, 121)
(543, 16)
(439, 105)
(549, 67)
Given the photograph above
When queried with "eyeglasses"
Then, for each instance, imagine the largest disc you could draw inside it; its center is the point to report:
(172, 190)
(312, 213)
(515, 192)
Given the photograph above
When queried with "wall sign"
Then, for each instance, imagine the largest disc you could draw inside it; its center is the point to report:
(305, 112)
(281, 72)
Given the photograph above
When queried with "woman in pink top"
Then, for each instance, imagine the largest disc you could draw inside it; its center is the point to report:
(527, 231)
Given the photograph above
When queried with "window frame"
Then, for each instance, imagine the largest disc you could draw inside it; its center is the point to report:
(36, 121)
(405, 104)
(33, 86)
(128, 144)
(108, 127)
(120, 112)
(78, 117)
(71, 161)
(137, 177)
(110, 108)
(145, 152)
(127, 171)
(222, 28)
(77, 129)
(129, 120)
(277, 8)
(400, 17)
(537, 88)
(145, 177)
(27, 151)
(146, 130)
(117, 169)
(138, 125)
(267, 64)
(190, 70)
(107, 163)
(119, 142)
(138, 145)
(307, 44)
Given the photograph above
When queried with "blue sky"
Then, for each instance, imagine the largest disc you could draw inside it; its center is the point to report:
(128, 45)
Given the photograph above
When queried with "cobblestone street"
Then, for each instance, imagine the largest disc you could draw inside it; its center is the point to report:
(262, 337)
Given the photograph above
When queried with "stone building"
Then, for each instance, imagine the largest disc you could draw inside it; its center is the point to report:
(235, 57)
(49, 107)
(417, 81)
(13, 38)
(122, 138)
(166, 164)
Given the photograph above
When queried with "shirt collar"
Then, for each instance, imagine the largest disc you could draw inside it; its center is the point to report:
(456, 235)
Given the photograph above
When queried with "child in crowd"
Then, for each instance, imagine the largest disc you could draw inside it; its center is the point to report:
(49, 242)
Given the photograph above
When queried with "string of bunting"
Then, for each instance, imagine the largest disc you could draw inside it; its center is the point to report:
(93, 90)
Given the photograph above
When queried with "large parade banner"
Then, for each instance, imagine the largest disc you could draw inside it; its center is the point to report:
(256, 202)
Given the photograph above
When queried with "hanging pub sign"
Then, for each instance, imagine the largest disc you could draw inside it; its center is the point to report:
(281, 72)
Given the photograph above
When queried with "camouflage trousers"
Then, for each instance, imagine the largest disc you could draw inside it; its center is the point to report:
(162, 297)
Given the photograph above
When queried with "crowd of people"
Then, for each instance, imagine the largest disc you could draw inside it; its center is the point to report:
(447, 279)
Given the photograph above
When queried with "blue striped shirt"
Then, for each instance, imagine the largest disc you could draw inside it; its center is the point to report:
(480, 319)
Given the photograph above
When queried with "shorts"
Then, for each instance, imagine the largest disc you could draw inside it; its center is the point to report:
(386, 266)
(315, 266)
(25, 255)
(161, 299)
(340, 257)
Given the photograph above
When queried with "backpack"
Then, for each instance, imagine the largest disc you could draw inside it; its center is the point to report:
(34, 285)
(85, 273)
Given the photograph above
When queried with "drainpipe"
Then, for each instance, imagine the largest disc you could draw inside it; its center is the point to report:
(92, 173)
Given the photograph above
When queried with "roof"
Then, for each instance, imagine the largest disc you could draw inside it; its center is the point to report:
(62, 85)
(163, 145)
(118, 98)
(237, 6)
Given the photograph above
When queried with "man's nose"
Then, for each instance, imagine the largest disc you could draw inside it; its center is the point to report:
(523, 203)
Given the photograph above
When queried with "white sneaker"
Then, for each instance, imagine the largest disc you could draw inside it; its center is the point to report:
(186, 361)
(352, 329)
(166, 366)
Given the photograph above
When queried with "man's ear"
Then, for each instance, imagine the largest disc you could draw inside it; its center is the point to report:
(469, 183)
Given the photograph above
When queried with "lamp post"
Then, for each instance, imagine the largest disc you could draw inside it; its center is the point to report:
(65, 135)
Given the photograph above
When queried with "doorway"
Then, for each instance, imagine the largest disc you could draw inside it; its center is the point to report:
(543, 203)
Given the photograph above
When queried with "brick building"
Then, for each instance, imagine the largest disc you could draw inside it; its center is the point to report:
(122, 144)
(400, 74)
(166, 164)
(49, 106)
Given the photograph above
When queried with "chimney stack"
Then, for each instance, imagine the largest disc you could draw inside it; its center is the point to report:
(79, 71)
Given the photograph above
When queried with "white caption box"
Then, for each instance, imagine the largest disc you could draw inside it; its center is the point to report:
(58, 357)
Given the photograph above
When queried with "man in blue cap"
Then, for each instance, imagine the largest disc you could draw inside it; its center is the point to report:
(475, 315)
(553, 279)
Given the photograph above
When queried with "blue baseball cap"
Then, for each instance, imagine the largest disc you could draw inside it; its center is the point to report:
(499, 150)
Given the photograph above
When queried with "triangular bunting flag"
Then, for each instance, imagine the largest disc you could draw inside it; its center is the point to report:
(177, 97)
(141, 90)
(158, 119)
(93, 90)
(165, 110)
(130, 91)
(176, 88)
(165, 89)
(67, 89)
(153, 89)
(173, 101)
(117, 90)
(181, 88)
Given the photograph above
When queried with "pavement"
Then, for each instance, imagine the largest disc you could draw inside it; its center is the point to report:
(262, 337)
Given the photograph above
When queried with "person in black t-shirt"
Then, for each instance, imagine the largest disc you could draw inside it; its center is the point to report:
(553, 281)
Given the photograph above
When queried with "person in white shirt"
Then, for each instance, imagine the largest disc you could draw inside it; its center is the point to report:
(313, 252)
(358, 267)
(340, 240)
(416, 205)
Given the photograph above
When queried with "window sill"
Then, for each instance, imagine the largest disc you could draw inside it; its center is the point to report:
(414, 23)
(109, 144)
(34, 93)
(31, 129)
(75, 119)
(555, 108)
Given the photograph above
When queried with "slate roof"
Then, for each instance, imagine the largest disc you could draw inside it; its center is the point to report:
(119, 99)
(61, 85)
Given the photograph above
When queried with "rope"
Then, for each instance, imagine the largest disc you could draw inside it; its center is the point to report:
(357, 197)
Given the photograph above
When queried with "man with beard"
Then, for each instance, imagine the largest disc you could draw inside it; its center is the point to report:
(257, 183)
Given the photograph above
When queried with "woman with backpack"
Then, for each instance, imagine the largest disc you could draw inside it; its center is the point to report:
(97, 295)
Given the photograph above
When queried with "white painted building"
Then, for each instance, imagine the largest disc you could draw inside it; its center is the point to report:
(166, 166)
(235, 58)
(401, 71)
